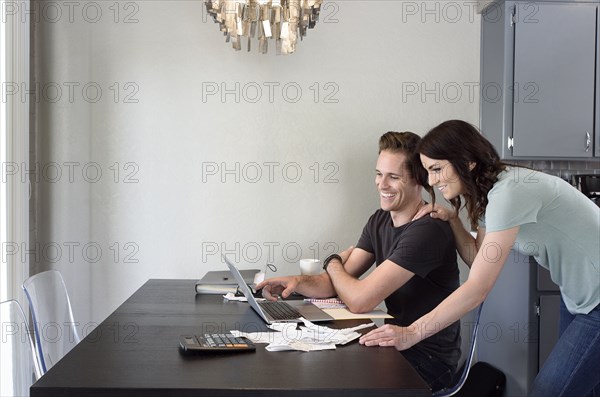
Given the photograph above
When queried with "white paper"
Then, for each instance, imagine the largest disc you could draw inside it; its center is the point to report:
(231, 297)
(259, 278)
(285, 30)
(267, 28)
(307, 337)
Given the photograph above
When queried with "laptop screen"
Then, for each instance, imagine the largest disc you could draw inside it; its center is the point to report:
(242, 284)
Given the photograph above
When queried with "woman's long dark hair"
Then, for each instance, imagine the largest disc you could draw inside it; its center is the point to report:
(461, 144)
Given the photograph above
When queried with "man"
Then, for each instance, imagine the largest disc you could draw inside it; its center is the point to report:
(415, 262)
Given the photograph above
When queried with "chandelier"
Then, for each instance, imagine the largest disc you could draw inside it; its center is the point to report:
(281, 20)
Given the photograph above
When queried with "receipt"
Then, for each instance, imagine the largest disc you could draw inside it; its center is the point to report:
(310, 337)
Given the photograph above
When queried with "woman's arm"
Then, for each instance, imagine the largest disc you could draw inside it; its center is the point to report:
(486, 267)
(466, 245)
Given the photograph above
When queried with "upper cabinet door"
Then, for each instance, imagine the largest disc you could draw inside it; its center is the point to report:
(597, 132)
(554, 68)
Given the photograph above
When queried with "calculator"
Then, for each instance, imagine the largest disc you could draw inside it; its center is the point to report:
(215, 343)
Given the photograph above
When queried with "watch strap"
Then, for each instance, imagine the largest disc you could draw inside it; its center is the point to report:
(329, 259)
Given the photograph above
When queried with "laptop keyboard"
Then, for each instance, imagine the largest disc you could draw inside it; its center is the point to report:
(280, 310)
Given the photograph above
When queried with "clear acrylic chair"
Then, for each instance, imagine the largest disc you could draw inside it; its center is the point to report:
(55, 330)
(19, 366)
(468, 362)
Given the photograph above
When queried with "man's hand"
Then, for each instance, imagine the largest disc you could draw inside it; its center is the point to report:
(282, 286)
(315, 286)
(436, 211)
(401, 338)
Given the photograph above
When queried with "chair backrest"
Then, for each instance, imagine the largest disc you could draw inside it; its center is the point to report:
(468, 362)
(19, 366)
(55, 330)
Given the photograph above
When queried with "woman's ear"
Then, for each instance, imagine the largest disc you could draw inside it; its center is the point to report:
(472, 165)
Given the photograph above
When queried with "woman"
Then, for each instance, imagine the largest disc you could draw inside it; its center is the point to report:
(543, 215)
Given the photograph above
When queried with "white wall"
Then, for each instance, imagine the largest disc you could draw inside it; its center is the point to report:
(174, 214)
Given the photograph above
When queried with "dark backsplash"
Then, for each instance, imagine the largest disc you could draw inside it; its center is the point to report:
(562, 168)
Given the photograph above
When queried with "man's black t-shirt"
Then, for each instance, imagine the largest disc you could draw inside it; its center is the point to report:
(425, 247)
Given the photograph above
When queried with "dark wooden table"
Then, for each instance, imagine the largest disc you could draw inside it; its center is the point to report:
(134, 352)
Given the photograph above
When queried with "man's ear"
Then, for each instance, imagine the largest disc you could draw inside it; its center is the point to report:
(472, 165)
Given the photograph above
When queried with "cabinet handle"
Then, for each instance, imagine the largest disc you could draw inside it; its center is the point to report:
(588, 141)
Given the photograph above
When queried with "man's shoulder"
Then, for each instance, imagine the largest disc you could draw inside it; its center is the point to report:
(427, 222)
(431, 230)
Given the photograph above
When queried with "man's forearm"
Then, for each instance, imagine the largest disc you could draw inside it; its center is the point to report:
(316, 286)
(348, 289)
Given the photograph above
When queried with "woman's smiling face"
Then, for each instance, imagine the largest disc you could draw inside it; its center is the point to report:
(443, 175)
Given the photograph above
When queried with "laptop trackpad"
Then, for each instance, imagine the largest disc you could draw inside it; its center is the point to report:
(311, 312)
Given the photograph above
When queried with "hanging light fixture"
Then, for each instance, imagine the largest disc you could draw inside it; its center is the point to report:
(281, 20)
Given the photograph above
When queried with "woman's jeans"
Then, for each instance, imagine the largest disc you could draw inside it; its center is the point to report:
(573, 367)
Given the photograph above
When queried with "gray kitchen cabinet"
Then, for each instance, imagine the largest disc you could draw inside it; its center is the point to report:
(597, 143)
(549, 320)
(519, 322)
(539, 79)
(507, 337)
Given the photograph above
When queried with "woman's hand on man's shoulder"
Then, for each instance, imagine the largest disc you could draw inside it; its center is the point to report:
(437, 212)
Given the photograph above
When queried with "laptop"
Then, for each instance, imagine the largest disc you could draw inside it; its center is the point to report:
(278, 311)
(222, 282)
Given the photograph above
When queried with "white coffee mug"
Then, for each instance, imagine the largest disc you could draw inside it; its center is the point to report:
(310, 267)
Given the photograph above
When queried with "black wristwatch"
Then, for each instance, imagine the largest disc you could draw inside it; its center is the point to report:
(329, 259)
